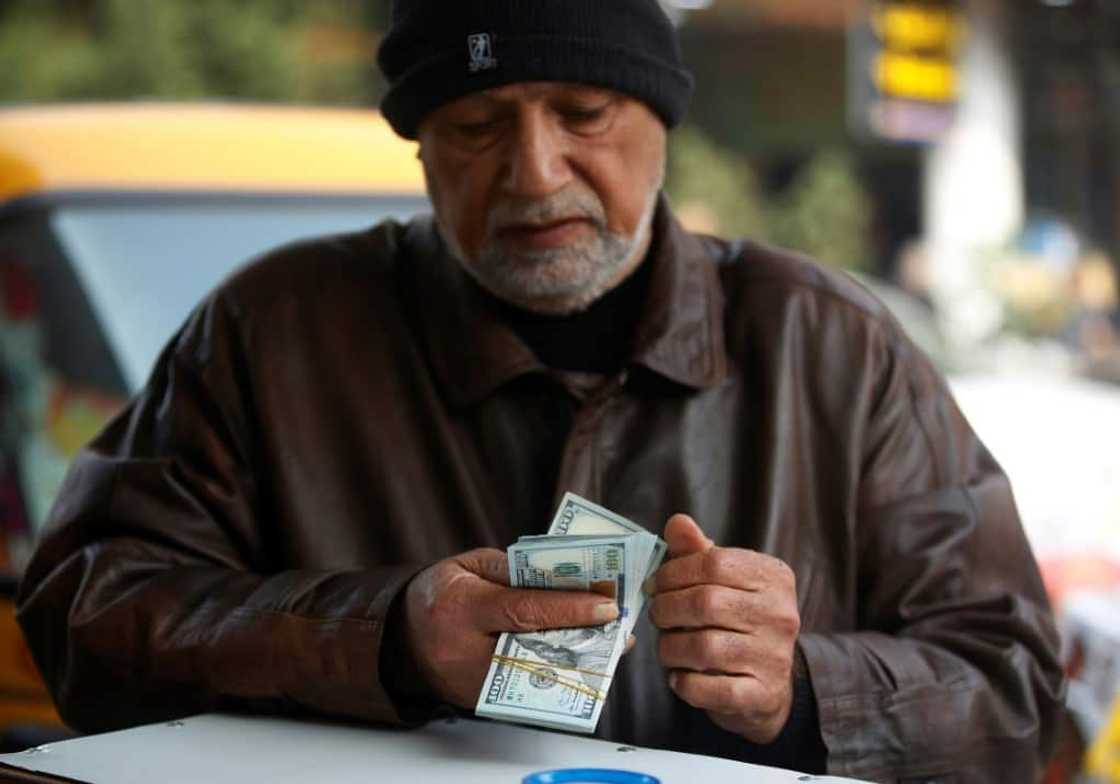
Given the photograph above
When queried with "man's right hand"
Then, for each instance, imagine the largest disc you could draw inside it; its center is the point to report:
(455, 609)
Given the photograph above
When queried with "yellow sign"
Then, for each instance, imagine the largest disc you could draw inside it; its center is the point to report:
(917, 77)
(918, 44)
(917, 26)
(1103, 760)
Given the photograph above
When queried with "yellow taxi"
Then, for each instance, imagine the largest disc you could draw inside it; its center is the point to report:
(115, 220)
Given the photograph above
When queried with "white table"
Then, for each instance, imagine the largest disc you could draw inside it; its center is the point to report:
(223, 749)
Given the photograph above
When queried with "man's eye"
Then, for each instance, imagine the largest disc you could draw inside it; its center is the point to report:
(586, 118)
(475, 129)
(584, 114)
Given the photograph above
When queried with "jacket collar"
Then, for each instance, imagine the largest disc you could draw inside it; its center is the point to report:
(474, 352)
(681, 332)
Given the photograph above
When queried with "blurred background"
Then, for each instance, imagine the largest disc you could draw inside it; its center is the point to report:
(962, 159)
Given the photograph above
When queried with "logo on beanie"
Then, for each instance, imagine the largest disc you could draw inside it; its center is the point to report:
(482, 55)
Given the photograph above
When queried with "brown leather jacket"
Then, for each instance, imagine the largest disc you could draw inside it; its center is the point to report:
(346, 411)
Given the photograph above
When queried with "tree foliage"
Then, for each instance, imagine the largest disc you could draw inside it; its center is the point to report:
(824, 211)
(712, 187)
(269, 50)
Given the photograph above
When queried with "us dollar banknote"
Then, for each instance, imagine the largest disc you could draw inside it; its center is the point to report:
(570, 563)
(560, 678)
(577, 516)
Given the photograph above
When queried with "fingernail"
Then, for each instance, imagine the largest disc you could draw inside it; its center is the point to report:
(673, 681)
(649, 587)
(607, 611)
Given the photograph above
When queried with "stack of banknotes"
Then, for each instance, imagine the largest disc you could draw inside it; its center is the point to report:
(560, 678)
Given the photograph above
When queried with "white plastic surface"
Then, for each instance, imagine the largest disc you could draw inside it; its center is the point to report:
(220, 749)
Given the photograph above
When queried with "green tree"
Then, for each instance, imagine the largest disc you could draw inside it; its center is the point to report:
(270, 50)
(713, 186)
(825, 212)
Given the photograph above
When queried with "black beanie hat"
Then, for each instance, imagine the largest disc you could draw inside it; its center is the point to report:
(439, 50)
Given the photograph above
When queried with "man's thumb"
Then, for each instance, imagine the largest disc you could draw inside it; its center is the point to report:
(684, 536)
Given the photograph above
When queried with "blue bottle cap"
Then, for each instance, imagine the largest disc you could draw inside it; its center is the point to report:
(589, 776)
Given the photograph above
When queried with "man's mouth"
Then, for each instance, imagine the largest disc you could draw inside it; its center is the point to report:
(550, 234)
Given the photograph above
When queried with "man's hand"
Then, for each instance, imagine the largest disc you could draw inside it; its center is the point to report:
(455, 609)
(729, 621)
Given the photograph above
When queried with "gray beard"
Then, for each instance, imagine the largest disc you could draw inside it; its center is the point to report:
(559, 281)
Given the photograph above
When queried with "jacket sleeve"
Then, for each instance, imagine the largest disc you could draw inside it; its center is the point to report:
(951, 672)
(156, 589)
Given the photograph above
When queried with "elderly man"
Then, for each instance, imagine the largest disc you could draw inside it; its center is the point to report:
(304, 509)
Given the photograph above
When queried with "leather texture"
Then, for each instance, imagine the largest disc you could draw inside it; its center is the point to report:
(346, 411)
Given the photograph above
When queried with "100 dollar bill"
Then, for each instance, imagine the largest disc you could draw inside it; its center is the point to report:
(577, 516)
(560, 678)
(570, 563)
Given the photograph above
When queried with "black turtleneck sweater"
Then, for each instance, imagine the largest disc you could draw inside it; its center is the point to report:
(596, 340)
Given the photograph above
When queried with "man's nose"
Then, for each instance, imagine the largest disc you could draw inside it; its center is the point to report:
(537, 162)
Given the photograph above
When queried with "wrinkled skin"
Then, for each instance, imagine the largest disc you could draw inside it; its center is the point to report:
(728, 619)
(456, 608)
(545, 191)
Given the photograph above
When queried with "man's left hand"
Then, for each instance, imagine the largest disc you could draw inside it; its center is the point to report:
(728, 619)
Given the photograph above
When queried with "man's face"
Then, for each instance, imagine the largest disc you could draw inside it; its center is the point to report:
(545, 191)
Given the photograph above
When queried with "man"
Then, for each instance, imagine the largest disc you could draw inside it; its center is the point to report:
(304, 510)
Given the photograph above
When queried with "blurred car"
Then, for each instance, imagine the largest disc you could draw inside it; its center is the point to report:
(115, 220)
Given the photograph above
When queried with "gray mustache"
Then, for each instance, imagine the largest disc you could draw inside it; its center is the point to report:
(560, 206)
